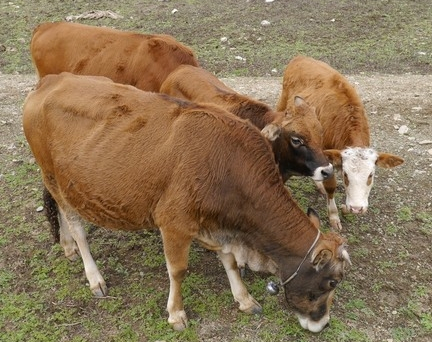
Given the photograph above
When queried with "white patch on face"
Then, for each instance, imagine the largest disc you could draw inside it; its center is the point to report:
(358, 166)
(321, 172)
(311, 325)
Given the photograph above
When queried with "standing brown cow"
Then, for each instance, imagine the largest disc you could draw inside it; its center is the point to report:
(345, 130)
(126, 159)
(141, 60)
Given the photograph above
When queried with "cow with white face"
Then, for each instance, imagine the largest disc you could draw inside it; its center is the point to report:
(346, 134)
(357, 166)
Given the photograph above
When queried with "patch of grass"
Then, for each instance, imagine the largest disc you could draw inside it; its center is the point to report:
(404, 214)
(425, 220)
(403, 334)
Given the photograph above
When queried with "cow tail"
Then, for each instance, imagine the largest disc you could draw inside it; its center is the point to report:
(52, 214)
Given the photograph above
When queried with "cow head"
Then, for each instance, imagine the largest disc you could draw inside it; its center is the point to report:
(310, 293)
(358, 169)
(296, 138)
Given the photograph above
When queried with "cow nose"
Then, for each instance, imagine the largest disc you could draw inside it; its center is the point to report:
(357, 210)
(327, 172)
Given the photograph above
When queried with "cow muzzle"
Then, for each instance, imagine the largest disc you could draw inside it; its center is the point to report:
(322, 173)
(313, 326)
(350, 209)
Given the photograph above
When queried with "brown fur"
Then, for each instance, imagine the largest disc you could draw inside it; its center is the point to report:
(198, 85)
(141, 60)
(184, 168)
(336, 102)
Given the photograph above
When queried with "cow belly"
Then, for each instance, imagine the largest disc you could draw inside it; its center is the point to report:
(226, 243)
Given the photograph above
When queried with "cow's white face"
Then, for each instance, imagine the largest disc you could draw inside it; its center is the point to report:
(358, 171)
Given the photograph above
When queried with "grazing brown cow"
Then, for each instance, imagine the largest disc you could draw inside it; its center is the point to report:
(141, 60)
(126, 159)
(346, 130)
(296, 136)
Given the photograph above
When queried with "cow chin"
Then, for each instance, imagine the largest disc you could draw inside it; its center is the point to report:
(313, 326)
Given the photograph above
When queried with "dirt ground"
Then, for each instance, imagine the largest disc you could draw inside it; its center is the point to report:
(391, 244)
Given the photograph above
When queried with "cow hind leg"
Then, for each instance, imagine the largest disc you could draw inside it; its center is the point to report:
(66, 240)
(176, 249)
(247, 303)
(73, 240)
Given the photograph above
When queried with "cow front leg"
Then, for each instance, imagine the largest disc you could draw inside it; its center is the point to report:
(330, 189)
(176, 249)
(73, 229)
(247, 303)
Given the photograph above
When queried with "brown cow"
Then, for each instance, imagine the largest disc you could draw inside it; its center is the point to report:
(141, 60)
(126, 159)
(346, 130)
(295, 136)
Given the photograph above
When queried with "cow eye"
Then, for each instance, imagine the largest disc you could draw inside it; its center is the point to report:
(370, 179)
(345, 179)
(296, 142)
(333, 283)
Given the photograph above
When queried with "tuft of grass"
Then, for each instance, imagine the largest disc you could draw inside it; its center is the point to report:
(404, 214)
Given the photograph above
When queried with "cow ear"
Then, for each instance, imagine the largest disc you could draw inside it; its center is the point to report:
(314, 218)
(335, 157)
(298, 101)
(300, 106)
(387, 160)
(321, 259)
(271, 131)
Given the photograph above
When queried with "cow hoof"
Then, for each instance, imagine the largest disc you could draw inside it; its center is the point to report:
(253, 309)
(101, 290)
(336, 224)
(72, 255)
(179, 326)
(178, 323)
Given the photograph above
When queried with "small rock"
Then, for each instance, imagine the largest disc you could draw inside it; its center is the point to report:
(403, 129)
(274, 71)
(416, 109)
(224, 39)
(430, 151)
(265, 23)
(39, 209)
(240, 58)
(269, 0)
(174, 11)
(425, 142)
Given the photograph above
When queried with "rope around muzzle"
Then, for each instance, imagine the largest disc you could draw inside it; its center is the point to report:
(273, 288)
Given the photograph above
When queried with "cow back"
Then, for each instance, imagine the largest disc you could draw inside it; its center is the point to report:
(141, 60)
(97, 140)
(199, 85)
(338, 106)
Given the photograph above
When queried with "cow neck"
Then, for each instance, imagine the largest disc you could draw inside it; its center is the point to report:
(283, 230)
